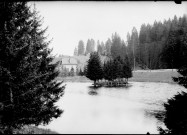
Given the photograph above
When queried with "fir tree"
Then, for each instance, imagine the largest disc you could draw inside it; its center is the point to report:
(88, 47)
(28, 90)
(80, 72)
(75, 52)
(116, 46)
(94, 69)
(77, 71)
(72, 72)
(117, 69)
(127, 71)
(118, 62)
(81, 49)
(108, 70)
(108, 47)
(65, 72)
(84, 71)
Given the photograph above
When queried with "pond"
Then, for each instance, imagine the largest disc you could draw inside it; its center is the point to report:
(128, 110)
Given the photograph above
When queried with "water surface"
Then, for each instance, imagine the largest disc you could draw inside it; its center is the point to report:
(128, 110)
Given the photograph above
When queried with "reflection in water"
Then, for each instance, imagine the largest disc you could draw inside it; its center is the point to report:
(93, 92)
(128, 110)
(157, 114)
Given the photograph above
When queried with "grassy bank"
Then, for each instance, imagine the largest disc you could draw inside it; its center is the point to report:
(34, 130)
(164, 76)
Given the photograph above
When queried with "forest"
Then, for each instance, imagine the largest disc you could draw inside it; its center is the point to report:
(157, 46)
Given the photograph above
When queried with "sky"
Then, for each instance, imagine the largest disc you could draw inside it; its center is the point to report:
(71, 21)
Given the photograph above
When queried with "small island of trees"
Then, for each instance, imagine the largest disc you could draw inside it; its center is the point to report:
(115, 71)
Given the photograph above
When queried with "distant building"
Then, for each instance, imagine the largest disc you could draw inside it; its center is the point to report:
(66, 62)
(69, 63)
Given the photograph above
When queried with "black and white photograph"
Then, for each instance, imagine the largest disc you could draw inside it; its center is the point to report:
(93, 67)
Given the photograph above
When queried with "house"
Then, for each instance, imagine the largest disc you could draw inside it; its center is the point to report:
(66, 63)
(69, 63)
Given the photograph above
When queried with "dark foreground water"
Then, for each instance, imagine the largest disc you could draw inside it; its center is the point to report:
(112, 110)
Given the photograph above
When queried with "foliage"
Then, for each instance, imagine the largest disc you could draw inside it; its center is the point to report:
(94, 69)
(108, 70)
(72, 72)
(85, 70)
(90, 47)
(81, 49)
(176, 111)
(33, 130)
(175, 49)
(64, 72)
(117, 69)
(149, 48)
(133, 46)
(116, 46)
(127, 71)
(28, 90)
(108, 45)
(104, 48)
(101, 48)
(75, 52)
(176, 115)
(81, 73)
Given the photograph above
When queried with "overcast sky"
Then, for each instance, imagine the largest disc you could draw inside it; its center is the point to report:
(70, 22)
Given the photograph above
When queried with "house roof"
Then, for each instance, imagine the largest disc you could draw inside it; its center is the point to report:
(65, 60)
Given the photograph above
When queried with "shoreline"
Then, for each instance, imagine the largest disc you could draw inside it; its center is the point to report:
(160, 76)
(34, 130)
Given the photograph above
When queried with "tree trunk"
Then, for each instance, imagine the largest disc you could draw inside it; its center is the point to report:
(94, 83)
(11, 96)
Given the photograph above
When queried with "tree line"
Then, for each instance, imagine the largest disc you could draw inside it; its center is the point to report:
(102, 48)
(81, 50)
(160, 45)
(175, 114)
(65, 72)
(156, 46)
